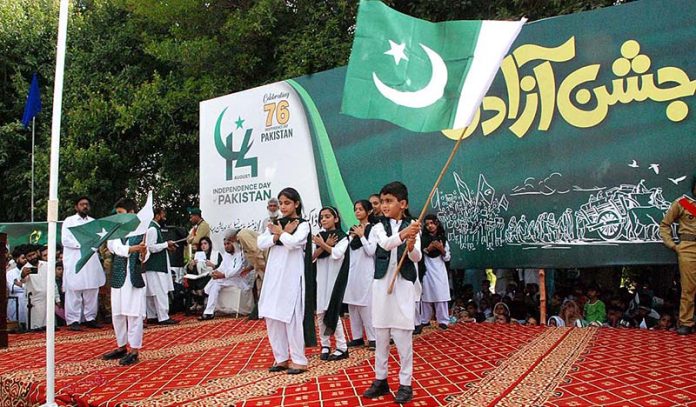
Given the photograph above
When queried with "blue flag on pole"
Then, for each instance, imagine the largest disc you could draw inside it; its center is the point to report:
(33, 106)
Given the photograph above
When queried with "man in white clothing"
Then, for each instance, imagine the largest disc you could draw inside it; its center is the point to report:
(81, 288)
(17, 301)
(34, 275)
(231, 272)
(158, 281)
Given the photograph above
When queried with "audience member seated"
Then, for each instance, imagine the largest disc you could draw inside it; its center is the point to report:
(595, 312)
(571, 314)
(195, 287)
(232, 271)
(499, 309)
(17, 300)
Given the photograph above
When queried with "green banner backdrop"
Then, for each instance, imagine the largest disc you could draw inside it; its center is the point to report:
(584, 139)
(28, 232)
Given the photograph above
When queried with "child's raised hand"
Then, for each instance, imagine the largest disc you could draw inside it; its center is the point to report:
(291, 226)
(317, 239)
(275, 229)
(332, 240)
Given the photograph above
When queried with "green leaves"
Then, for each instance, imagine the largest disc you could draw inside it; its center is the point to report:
(136, 71)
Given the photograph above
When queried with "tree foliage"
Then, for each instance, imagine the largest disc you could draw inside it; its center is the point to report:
(136, 71)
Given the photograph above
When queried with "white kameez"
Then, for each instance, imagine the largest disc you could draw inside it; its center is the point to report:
(283, 284)
(327, 272)
(395, 310)
(435, 281)
(92, 274)
(127, 300)
(362, 272)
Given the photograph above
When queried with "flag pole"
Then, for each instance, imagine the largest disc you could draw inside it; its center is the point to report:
(33, 125)
(427, 202)
(52, 213)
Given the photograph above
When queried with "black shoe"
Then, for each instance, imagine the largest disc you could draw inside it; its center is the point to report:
(129, 359)
(325, 355)
(404, 394)
(206, 317)
(442, 326)
(170, 322)
(93, 324)
(356, 342)
(114, 354)
(684, 330)
(418, 329)
(378, 388)
(277, 368)
(371, 345)
(296, 371)
(75, 326)
(338, 355)
(151, 320)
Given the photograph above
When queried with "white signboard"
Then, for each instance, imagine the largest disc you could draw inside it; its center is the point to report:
(253, 144)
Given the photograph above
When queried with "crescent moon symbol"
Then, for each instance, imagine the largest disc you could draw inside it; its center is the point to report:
(430, 94)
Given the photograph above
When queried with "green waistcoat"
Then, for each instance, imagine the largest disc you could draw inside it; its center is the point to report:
(408, 269)
(118, 267)
(157, 261)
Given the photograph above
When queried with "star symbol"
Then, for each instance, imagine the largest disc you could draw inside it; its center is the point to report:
(102, 233)
(397, 51)
(239, 122)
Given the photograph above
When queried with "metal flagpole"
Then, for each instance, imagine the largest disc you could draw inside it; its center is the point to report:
(52, 216)
(33, 125)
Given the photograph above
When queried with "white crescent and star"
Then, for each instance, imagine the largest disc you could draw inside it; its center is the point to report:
(102, 233)
(424, 97)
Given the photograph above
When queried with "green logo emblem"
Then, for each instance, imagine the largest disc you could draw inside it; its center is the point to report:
(35, 237)
(226, 149)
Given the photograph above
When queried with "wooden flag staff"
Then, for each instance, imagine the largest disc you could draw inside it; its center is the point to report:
(427, 203)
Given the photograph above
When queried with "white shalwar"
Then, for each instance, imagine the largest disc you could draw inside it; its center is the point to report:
(436, 290)
(231, 267)
(128, 303)
(81, 289)
(394, 315)
(358, 294)
(282, 295)
(327, 272)
(157, 284)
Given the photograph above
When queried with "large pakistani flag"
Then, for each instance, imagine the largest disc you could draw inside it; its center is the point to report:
(420, 75)
(93, 234)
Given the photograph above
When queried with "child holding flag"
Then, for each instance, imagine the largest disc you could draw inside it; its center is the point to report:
(393, 314)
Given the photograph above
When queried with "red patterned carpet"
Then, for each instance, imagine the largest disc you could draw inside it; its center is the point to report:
(224, 362)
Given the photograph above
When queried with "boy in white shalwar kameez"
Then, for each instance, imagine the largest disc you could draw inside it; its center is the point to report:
(394, 315)
(128, 301)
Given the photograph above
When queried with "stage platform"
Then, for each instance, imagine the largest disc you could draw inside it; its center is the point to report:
(224, 362)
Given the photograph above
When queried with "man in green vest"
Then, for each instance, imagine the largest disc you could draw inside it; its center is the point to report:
(159, 280)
